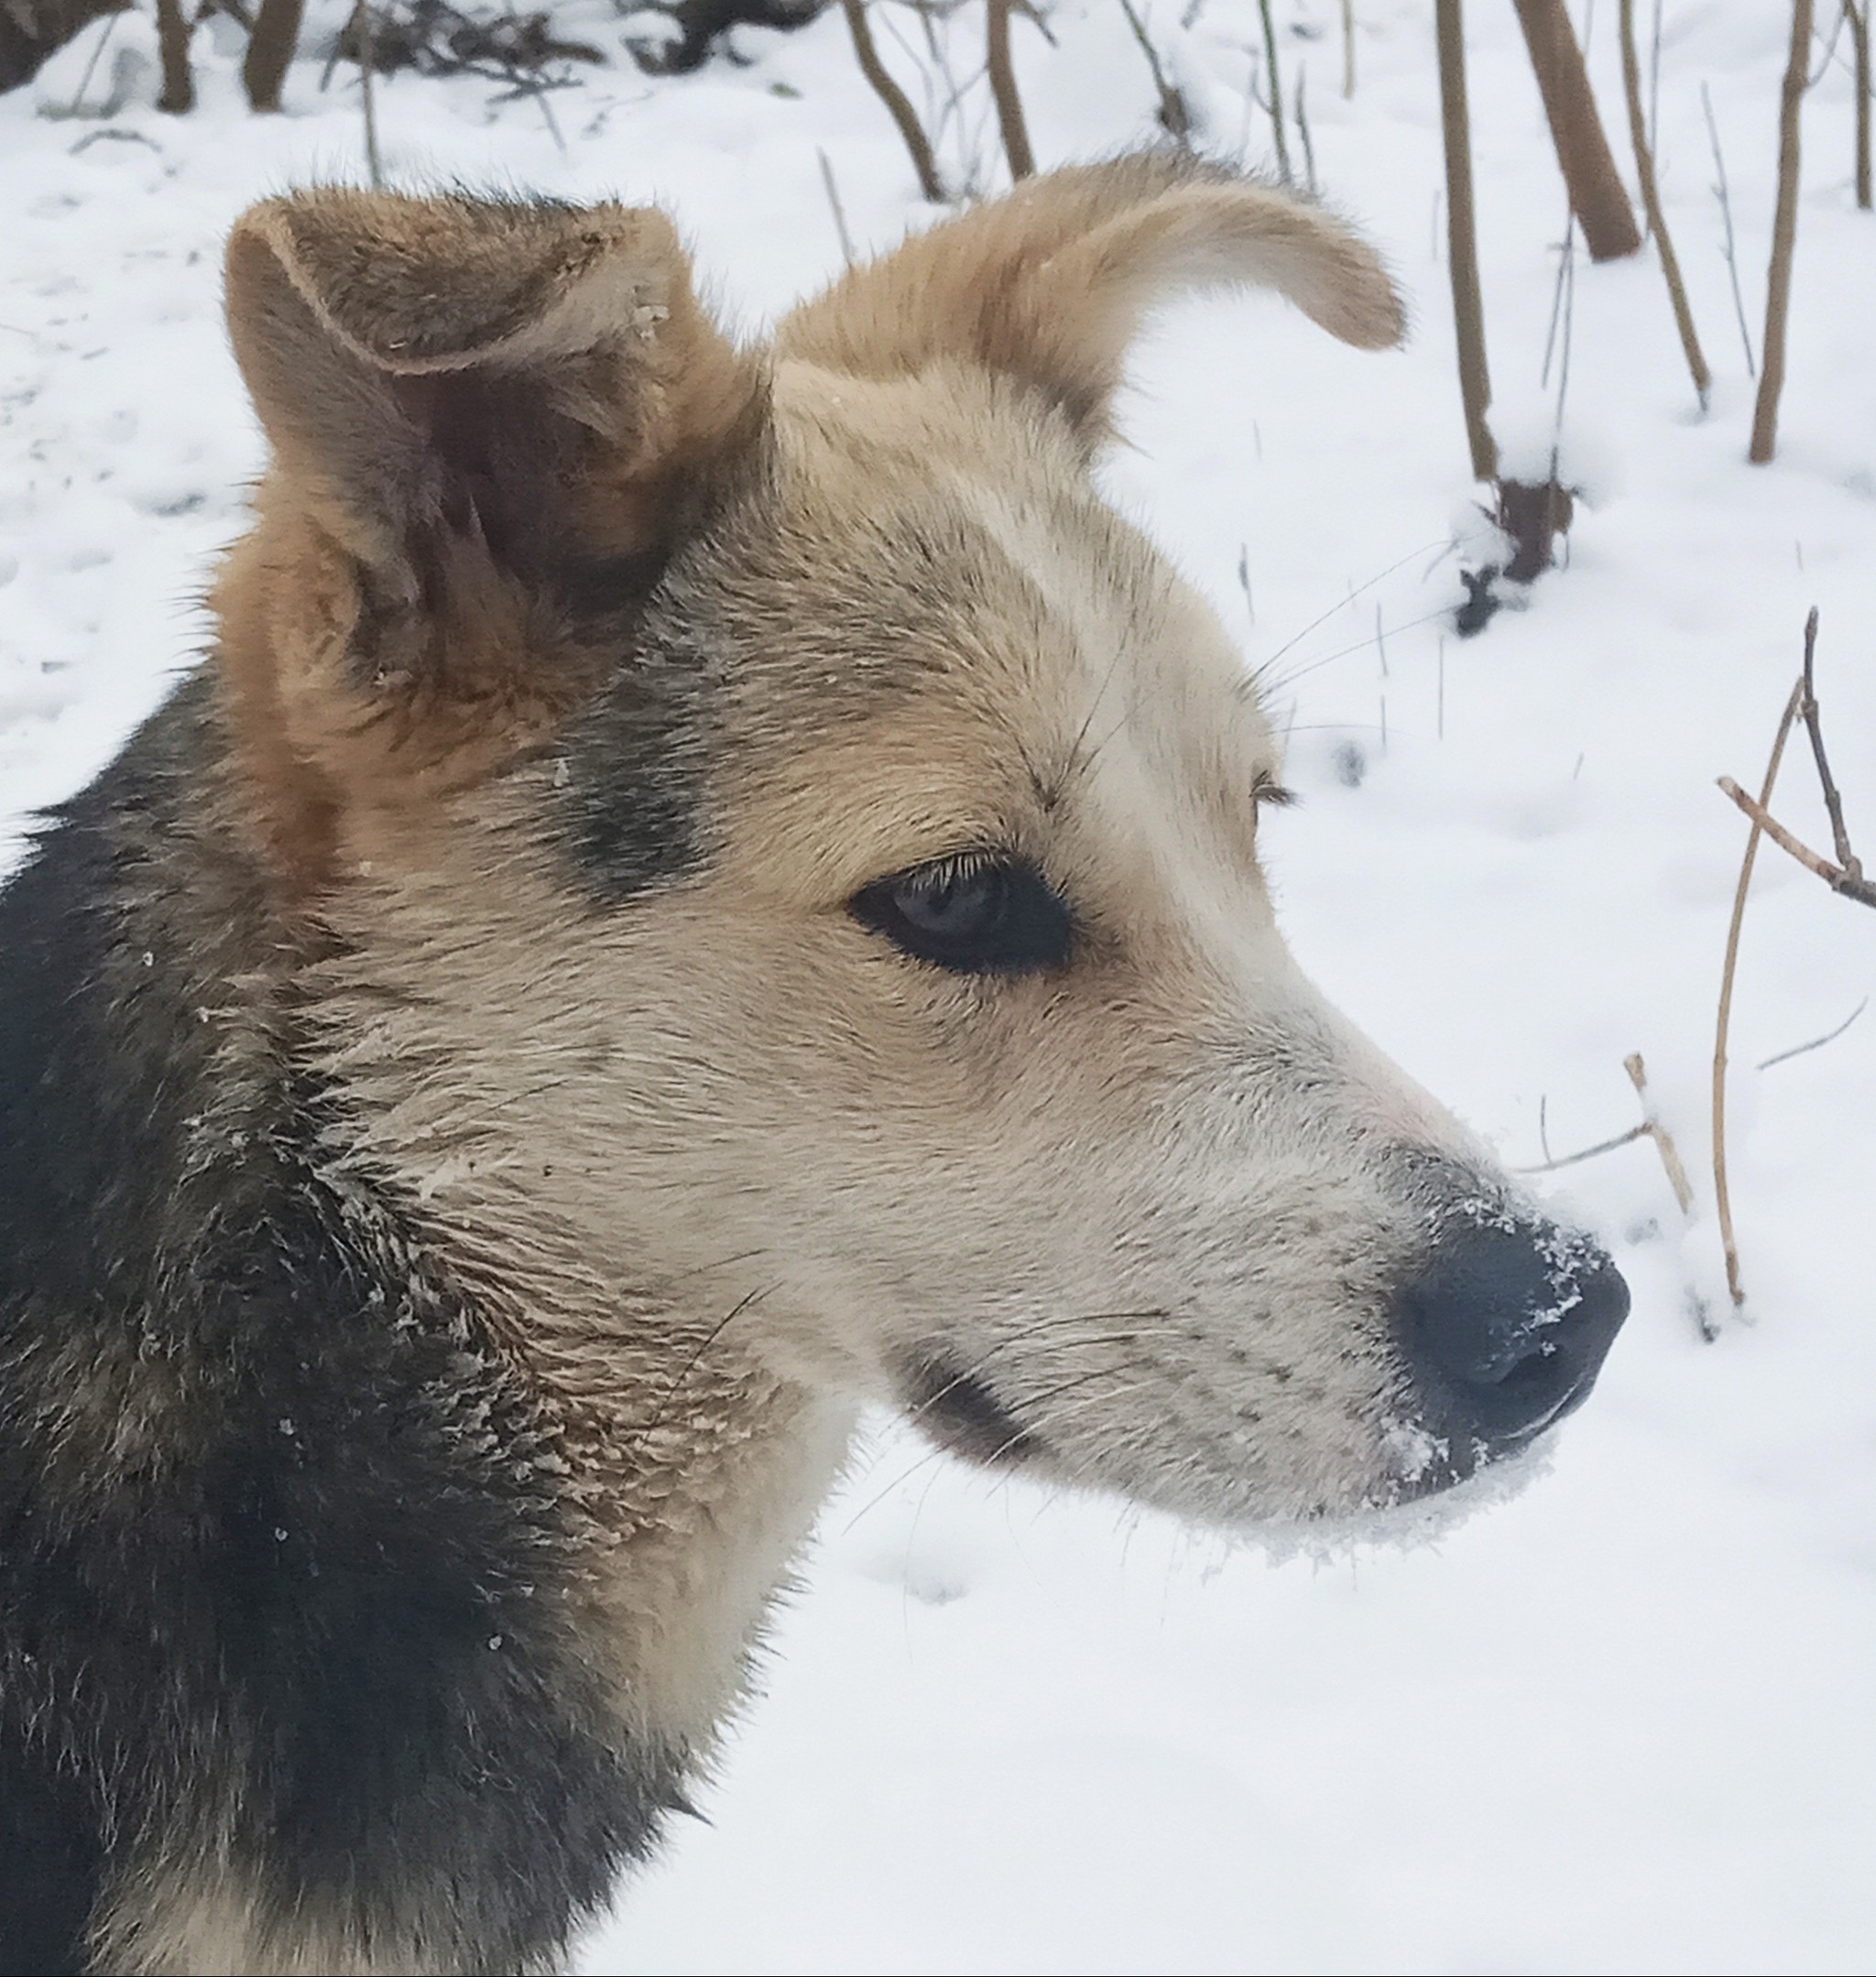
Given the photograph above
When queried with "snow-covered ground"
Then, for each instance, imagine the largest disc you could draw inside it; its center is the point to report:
(1625, 1722)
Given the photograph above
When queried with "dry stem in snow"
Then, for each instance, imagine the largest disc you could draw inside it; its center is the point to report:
(1722, 1194)
(1597, 195)
(1784, 228)
(898, 104)
(1462, 244)
(1003, 90)
(1650, 201)
(1859, 19)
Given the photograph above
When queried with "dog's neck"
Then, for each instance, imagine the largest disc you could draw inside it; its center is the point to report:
(688, 1473)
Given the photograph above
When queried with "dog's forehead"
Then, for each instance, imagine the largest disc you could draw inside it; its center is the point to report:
(929, 559)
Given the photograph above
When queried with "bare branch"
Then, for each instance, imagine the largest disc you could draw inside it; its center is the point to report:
(1597, 195)
(1589, 1153)
(1833, 876)
(1784, 228)
(847, 245)
(269, 51)
(1817, 1042)
(1723, 1021)
(1859, 19)
(1010, 118)
(1283, 171)
(1833, 801)
(1462, 245)
(898, 105)
(1725, 214)
(1174, 115)
(173, 29)
(1650, 203)
(1664, 1140)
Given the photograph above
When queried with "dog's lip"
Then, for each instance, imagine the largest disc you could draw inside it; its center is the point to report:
(955, 1406)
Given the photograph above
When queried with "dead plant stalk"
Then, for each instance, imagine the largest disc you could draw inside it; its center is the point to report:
(1784, 228)
(1651, 202)
(1003, 91)
(1722, 1194)
(1462, 244)
(898, 106)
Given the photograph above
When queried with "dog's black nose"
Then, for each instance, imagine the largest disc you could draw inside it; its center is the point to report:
(1509, 1322)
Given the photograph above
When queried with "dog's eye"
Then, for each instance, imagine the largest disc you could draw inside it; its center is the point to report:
(974, 916)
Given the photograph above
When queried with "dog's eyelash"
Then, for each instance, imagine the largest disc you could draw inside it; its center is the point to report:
(1267, 789)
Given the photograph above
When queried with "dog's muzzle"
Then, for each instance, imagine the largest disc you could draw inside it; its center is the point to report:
(1506, 1325)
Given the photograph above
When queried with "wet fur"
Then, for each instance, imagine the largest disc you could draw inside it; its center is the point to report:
(461, 1166)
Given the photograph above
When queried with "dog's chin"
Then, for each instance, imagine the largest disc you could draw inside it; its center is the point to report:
(1423, 1486)
(1405, 1511)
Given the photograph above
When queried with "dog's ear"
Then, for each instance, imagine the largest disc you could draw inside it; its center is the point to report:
(490, 424)
(540, 374)
(1049, 285)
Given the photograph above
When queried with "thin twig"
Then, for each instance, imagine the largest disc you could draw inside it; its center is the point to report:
(1283, 171)
(1173, 112)
(84, 81)
(1725, 214)
(1650, 203)
(1849, 884)
(1589, 1153)
(1462, 245)
(1003, 91)
(1664, 1140)
(1817, 1042)
(1654, 77)
(898, 105)
(173, 31)
(1859, 18)
(1784, 228)
(367, 66)
(847, 245)
(1833, 801)
(1721, 1195)
(1348, 48)
(1303, 130)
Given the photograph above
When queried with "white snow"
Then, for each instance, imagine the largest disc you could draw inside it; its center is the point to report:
(1624, 1722)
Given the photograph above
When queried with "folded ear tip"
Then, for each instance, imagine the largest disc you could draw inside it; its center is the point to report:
(1376, 317)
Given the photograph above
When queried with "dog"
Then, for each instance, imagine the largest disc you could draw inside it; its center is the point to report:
(697, 889)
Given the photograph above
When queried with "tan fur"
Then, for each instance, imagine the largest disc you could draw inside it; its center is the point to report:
(345, 351)
(1049, 284)
(717, 1164)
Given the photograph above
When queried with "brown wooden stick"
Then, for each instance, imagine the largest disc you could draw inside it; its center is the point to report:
(1283, 173)
(1833, 876)
(1721, 1195)
(1650, 203)
(1784, 228)
(367, 89)
(173, 30)
(898, 104)
(1833, 800)
(269, 51)
(1003, 91)
(1859, 18)
(1597, 195)
(1175, 116)
(1589, 1153)
(1462, 244)
(1664, 1140)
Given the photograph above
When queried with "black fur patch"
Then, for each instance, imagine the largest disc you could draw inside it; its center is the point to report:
(282, 1538)
(959, 1411)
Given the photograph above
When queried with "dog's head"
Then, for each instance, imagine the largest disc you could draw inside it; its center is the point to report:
(791, 850)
